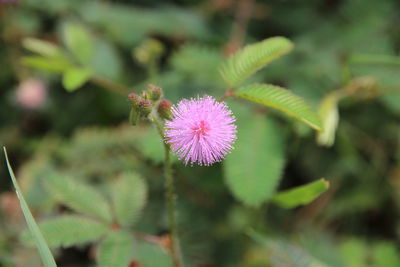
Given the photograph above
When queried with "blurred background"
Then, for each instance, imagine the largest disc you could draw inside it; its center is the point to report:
(345, 63)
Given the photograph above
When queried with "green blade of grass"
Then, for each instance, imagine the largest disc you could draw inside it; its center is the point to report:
(44, 251)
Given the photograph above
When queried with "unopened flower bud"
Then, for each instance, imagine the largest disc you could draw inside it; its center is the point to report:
(134, 98)
(164, 109)
(134, 112)
(154, 92)
(144, 107)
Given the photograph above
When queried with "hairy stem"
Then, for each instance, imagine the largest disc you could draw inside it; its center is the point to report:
(170, 198)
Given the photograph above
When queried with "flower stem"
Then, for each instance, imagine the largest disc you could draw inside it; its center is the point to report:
(110, 85)
(170, 198)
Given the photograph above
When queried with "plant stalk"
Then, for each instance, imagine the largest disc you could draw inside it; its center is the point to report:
(170, 198)
(110, 85)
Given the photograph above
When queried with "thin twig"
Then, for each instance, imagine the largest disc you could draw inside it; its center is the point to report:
(228, 93)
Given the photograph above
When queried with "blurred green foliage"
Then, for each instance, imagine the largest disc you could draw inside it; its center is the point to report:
(345, 62)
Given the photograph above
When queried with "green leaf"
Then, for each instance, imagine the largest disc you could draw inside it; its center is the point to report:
(78, 196)
(44, 251)
(254, 168)
(354, 252)
(329, 114)
(129, 194)
(47, 64)
(106, 52)
(282, 253)
(301, 195)
(116, 250)
(149, 254)
(75, 78)
(43, 48)
(150, 145)
(385, 254)
(71, 230)
(78, 41)
(281, 99)
(251, 58)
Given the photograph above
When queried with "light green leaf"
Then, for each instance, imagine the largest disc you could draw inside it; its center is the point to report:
(47, 64)
(75, 78)
(251, 58)
(116, 250)
(354, 252)
(150, 146)
(329, 114)
(386, 254)
(129, 194)
(301, 195)
(253, 169)
(44, 251)
(150, 254)
(281, 99)
(78, 41)
(78, 196)
(43, 48)
(71, 230)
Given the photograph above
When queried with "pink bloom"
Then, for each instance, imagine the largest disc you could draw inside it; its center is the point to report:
(31, 94)
(201, 131)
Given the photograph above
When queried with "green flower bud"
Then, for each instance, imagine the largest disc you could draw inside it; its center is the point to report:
(154, 92)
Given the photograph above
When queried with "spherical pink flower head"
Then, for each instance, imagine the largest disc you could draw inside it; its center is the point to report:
(201, 131)
(31, 94)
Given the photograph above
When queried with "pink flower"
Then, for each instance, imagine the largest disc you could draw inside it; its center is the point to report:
(31, 94)
(201, 131)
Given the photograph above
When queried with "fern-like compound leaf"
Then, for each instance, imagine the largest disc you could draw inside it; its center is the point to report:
(129, 195)
(115, 250)
(79, 197)
(68, 230)
(283, 100)
(251, 58)
(150, 254)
